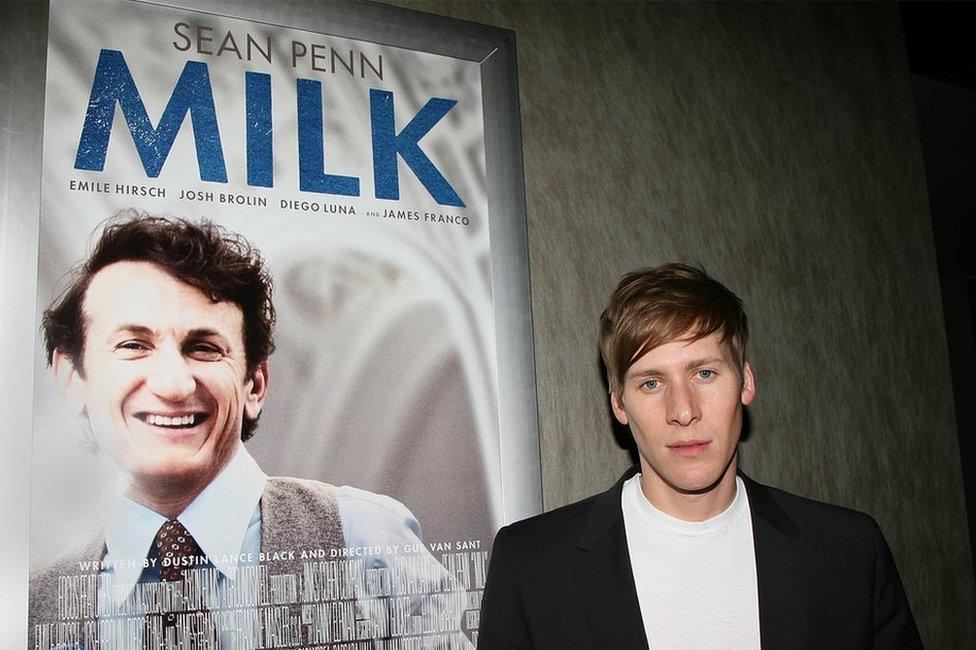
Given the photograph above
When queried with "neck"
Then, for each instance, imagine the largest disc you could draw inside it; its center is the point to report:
(168, 502)
(689, 505)
(168, 495)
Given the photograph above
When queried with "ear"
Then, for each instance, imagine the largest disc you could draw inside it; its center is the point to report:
(617, 404)
(258, 387)
(748, 385)
(70, 382)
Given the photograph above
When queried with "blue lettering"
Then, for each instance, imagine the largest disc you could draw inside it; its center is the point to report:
(311, 147)
(260, 157)
(387, 144)
(193, 94)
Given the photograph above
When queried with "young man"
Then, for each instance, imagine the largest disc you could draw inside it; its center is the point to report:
(685, 551)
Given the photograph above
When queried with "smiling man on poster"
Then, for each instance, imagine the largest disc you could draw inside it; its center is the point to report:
(686, 551)
(162, 343)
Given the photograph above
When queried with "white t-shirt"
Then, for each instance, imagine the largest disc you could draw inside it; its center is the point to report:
(696, 581)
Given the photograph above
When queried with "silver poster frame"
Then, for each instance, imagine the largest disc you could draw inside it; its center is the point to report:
(23, 48)
(23, 58)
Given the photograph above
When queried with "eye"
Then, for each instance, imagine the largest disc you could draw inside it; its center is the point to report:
(650, 384)
(132, 348)
(202, 351)
(706, 374)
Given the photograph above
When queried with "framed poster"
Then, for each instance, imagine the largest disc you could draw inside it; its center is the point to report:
(365, 159)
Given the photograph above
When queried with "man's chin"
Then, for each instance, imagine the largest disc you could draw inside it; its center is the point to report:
(168, 470)
(694, 485)
(700, 480)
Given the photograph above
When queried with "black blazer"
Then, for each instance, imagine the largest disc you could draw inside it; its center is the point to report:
(825, 574)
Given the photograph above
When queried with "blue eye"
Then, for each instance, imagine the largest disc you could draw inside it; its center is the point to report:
(650, 384)
(706, 374)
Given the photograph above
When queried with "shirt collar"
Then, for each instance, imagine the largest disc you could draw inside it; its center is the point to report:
(217, 519)
(739, 507)
(129, 534)
(220, 515)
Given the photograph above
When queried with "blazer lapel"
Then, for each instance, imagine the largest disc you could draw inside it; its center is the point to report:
(606, 581)
(781, 613)
(604, 576)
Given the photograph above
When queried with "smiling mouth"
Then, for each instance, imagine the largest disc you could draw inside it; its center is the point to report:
(172, 421)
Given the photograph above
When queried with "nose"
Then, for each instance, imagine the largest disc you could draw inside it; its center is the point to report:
(682, 405)
(170, 377)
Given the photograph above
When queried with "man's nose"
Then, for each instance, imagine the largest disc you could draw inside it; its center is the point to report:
(682, 405)
(170, 377)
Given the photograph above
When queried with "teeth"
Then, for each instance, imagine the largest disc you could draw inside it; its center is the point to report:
(166, 421)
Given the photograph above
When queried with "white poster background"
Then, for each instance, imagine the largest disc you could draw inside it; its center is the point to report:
(384, 377)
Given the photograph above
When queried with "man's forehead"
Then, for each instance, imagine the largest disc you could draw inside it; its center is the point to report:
(143, 293)
(686, 350)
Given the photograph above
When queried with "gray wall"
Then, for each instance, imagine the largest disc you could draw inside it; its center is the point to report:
(776, 145)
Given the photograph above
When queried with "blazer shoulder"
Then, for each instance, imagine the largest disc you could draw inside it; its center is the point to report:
(576, 524)
(818, 520)
(844, 550)
(806, 507)
(549, 530)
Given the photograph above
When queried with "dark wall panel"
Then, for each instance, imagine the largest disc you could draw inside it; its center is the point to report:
(776, 145)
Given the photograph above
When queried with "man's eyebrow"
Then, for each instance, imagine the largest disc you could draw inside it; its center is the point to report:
(691, 365)
(142, 330)
(135, 328)
(204, 333)
(704, 361)
(647, 372)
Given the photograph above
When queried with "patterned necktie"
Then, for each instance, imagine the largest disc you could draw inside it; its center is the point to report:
(173, 544)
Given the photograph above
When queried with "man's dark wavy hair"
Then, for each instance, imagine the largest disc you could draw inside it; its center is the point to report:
(221, 264)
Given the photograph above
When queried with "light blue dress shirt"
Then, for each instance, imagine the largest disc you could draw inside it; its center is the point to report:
(225, 521)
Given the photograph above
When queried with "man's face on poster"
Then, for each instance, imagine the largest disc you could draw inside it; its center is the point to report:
(163, 378)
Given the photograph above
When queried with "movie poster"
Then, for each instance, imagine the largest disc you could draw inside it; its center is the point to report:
(357, 170)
